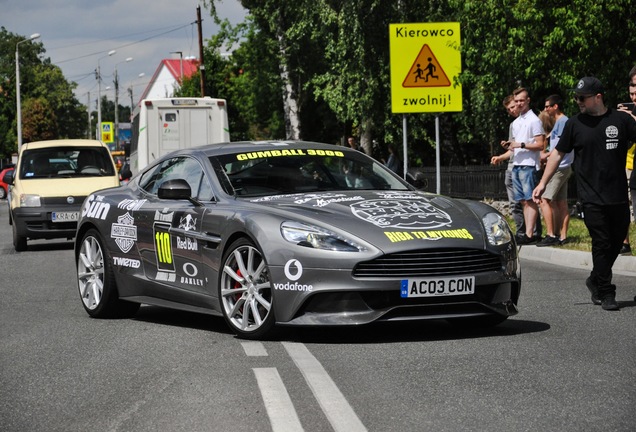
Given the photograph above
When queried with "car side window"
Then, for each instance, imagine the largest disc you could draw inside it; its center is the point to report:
(185, 168)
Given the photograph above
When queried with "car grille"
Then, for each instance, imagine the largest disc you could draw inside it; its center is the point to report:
(425, 263)
(62, 200)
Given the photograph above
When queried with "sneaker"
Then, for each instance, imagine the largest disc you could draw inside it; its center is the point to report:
(525, 240)
(593, 290)
(563, 241)
(609, 303)
(626, 249)
(548, 241)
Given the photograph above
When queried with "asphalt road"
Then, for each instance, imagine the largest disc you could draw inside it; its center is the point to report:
(562, 364)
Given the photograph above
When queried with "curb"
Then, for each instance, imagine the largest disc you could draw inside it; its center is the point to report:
(624, 265)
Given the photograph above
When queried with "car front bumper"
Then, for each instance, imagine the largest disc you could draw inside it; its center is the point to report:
(37, 222)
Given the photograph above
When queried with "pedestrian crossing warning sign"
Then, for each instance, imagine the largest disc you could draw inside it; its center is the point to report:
(425, 67)
(426, 71)
(107, 132)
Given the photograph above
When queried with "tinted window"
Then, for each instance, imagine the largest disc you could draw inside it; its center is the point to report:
(287, 171)
(184, 168)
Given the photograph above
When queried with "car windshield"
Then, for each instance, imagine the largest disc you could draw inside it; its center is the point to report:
(66, 162)
(301, 171)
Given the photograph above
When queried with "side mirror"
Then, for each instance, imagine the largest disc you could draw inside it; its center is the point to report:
(177, 189)
(8, 177)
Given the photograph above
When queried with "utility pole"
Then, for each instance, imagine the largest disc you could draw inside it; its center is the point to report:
(202, 63)
(88, 108)
(116, 132)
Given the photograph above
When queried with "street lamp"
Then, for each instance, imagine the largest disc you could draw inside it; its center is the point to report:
(116, 135)
(99, 95)
(17, 87)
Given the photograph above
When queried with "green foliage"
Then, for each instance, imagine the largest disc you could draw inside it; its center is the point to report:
(39, 122)
(545, 47)
(49, 108)
(338, 51)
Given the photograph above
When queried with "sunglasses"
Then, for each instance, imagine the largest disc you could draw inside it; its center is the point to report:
(548, 106)
(582, 98)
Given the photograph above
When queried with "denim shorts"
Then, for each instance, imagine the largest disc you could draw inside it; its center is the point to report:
(524, 180)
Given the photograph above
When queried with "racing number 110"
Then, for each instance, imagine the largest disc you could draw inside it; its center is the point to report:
(164, 251)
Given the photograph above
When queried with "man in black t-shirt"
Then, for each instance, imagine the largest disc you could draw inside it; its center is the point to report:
(600, 137)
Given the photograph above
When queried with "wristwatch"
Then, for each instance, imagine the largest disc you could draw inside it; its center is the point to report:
(523, 145)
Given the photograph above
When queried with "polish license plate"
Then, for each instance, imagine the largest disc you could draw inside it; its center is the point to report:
(65, 216)
(436, 287)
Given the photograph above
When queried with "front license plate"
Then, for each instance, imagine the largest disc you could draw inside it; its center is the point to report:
(435, 287)
(65, 216)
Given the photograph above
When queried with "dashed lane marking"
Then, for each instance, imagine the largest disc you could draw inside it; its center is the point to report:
(280, 409)
(331, 400)
(254, 349)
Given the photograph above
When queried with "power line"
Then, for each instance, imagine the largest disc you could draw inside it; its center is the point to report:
(125, 45)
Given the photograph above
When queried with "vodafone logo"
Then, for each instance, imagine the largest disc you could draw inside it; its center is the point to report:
(293, 270)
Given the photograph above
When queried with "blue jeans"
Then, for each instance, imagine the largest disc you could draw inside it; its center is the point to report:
(524, 180)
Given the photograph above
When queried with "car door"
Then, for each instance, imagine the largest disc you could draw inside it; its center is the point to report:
(171, 232)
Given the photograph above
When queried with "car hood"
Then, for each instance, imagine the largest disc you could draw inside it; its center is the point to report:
(389, 220)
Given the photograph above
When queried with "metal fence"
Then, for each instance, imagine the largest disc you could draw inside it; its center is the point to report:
(473, 182)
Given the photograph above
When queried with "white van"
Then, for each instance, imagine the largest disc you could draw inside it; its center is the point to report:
(49, 185)
(160, 126)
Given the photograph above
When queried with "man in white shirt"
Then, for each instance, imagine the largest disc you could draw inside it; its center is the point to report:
(528, 141)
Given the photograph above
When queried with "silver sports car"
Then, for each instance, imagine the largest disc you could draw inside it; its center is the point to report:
(292, 233)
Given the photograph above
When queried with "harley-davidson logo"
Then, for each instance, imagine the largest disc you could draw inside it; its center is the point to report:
(124, 232)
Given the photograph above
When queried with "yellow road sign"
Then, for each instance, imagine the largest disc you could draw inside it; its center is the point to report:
(425, 66)
(108, 129)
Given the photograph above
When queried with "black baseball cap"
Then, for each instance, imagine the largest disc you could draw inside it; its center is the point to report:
(589, 86)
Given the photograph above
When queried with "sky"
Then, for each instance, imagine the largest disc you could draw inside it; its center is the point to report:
(78, 34)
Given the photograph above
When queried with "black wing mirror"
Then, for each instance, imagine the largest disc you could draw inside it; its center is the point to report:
(8, 177)
(177, 189)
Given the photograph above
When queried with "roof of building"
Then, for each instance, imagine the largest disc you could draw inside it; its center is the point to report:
(173, 66)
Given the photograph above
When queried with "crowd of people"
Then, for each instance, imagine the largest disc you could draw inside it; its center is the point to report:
(597, 145)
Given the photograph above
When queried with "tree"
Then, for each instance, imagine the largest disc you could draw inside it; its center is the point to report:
(53, 105)
(336, 54)
(40, 123)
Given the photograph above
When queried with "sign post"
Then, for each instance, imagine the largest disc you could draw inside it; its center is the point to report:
(425, 66)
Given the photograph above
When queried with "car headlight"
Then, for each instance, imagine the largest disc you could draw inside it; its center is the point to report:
(497, 229)
(28, 200)
(317, 238)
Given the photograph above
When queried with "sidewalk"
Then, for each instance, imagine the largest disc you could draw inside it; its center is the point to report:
(624, 265)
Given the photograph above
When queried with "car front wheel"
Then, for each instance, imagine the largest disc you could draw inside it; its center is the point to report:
(19, 242)
(96, 280)
(245, 291)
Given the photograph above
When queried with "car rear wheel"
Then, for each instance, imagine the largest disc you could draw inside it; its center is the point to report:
(245, 291)
(19, 242)
(96, 280)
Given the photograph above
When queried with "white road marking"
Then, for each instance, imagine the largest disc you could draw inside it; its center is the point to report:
(280, 409)
(254, 349)
(331, 400)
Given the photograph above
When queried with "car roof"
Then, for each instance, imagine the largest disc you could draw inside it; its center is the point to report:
(250, 146)
(62, 143)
